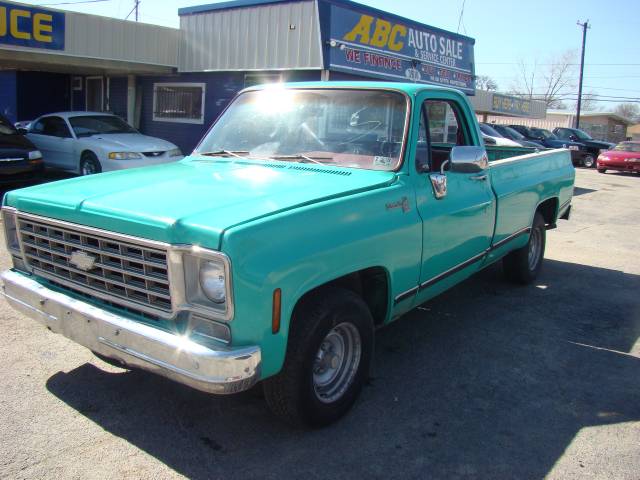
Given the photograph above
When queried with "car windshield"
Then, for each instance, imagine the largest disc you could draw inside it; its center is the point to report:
(540, 132)
(489, 130)
(349, 128)
(6, 128)
(582, 135)
(627, 147)
(87, 125)
(510, 132)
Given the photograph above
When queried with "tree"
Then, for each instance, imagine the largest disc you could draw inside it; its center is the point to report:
(589, 102)
(548, 81)
(485, 82)
(629, 110)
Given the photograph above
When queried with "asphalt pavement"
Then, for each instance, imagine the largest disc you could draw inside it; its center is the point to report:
(489, 380)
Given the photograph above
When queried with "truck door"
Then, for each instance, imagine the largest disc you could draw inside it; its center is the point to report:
(458, 227)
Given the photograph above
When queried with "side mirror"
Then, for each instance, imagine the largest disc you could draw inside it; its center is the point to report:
(573, 138)
(468, 159)
(23, 131)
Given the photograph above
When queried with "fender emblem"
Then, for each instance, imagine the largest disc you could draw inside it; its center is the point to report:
(403, 203)
(82, 260)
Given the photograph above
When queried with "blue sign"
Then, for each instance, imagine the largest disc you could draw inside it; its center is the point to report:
(512, 105)
(31, 27)
(363, 43)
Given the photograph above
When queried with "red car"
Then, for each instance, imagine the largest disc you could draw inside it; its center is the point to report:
(625, 157)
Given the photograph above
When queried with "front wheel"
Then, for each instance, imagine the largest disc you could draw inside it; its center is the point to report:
(89, 164)
(589, 161)
(327, 362)
(523, 265)
(602, 170)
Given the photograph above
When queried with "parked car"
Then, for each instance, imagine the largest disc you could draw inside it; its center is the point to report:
(93, 142)
(594, 147)
(500, 141)
(516, 136)
(624, 157)
(19, 158)
(580, 155)
(301, 223)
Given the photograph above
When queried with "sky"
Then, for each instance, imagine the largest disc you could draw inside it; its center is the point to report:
(507, 32)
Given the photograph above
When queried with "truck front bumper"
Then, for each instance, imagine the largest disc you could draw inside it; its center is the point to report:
(213, 370)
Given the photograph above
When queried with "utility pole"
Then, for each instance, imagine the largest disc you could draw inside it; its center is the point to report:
(584, 26)
(138, 3)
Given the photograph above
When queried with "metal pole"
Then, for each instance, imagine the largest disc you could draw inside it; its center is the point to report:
(138, 2)
(584, 26)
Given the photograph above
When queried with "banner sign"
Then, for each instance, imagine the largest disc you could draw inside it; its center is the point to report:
(369, 44)
(31, 27)
(512, 105)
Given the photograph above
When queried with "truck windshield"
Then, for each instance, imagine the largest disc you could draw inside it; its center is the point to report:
(582, 135)
(348, 128)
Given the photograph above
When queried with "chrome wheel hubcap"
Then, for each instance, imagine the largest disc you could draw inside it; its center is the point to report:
(336, 362)
(535, 247)
(88, 168)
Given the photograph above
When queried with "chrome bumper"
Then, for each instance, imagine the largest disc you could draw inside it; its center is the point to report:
(211, 370)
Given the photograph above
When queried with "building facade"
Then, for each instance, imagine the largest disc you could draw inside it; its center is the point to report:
(173, 83)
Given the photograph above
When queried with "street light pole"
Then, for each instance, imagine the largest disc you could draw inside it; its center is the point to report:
(584, 26)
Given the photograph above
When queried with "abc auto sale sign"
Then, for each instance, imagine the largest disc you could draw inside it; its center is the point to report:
(385, 46)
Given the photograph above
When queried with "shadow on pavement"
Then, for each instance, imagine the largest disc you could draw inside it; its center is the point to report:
(486, 381)
(582, 191)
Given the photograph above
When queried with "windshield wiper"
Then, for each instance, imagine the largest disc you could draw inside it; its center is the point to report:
(228, 153)
(299, 156)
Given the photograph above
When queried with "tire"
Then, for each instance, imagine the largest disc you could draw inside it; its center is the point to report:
(602, 170)
(589, 161)
(317, 385)
(523, 265)
(89, 164)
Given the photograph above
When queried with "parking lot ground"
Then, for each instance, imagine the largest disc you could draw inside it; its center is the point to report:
(488, 380)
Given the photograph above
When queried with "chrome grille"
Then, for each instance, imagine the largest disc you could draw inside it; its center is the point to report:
(123, 272)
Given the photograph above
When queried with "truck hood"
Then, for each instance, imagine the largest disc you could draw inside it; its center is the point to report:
(194, 200)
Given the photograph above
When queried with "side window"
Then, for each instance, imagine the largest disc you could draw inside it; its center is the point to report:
(446, 129)
(422, 146)
(53, 127)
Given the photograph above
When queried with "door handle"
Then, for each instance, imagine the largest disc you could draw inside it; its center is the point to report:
(479, 178)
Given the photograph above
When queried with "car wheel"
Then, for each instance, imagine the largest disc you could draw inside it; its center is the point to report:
(589, 161)
(602, 170)
(523, 265)
(328, 355)
(89, 164)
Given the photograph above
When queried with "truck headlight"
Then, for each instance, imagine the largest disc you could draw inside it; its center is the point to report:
(10, 230)
(125, 156)
(206, 282)
(212, 281)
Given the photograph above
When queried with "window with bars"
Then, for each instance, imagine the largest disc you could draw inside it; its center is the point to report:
(178, 102)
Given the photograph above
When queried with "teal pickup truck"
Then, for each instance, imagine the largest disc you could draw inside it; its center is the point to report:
(309, 215)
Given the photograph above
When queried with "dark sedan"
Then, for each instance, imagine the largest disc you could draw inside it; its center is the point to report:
(19, 158)
(594, 147)
(511, 134)
(579, 153)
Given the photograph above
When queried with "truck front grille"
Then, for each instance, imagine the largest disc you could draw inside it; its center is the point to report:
(120, 269)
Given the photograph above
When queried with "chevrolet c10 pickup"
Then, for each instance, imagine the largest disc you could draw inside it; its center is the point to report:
(307, 217)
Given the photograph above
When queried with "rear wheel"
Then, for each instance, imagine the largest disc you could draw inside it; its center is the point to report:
(89, 164)
(328, 356)
(523, 265)
(589, 161)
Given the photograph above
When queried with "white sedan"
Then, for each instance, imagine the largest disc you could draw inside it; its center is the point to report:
(93, 142)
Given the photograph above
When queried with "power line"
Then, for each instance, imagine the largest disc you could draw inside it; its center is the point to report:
(557, 63)
(461, 14)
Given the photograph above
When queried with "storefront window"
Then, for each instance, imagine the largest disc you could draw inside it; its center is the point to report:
(178, 102)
